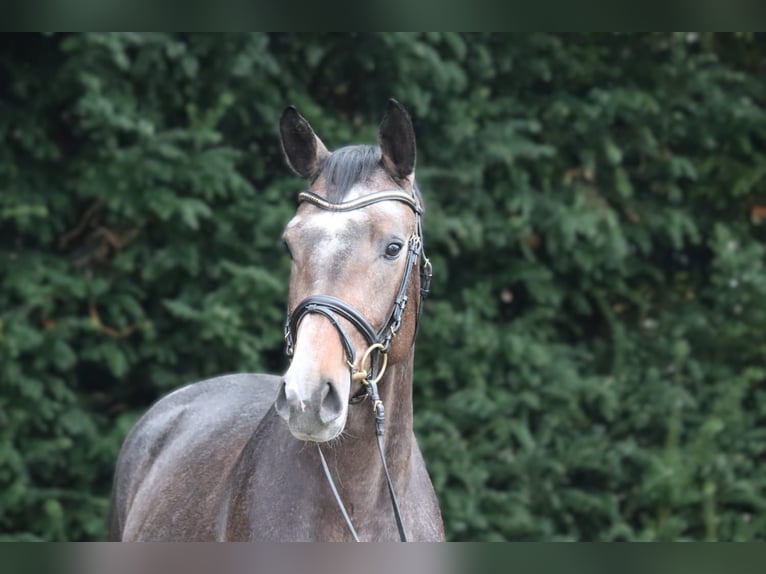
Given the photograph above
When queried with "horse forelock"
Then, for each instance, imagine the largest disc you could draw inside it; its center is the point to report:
(347, 167)
(350, 167)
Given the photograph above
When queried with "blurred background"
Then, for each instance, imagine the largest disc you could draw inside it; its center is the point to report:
(592, 361)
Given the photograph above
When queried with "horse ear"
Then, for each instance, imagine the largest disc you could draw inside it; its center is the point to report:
(303, 150)
(397, 141)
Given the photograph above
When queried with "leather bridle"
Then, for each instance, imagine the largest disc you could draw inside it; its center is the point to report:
(371, 368)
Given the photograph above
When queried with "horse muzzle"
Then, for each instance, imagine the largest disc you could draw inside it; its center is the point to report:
(313, 412)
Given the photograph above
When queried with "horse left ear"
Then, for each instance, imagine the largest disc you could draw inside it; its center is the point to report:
(397, 141)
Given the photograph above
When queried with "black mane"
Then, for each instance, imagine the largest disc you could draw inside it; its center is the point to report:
(350, 165)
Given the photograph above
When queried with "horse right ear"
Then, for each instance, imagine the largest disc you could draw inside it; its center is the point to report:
(303, 150)
(397, 141)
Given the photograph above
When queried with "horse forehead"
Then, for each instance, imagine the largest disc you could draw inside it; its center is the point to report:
(336, 224)
(326, 225)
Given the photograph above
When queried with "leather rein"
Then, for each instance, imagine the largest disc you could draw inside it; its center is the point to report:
(370, 370)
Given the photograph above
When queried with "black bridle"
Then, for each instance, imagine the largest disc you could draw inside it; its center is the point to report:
(371, 368)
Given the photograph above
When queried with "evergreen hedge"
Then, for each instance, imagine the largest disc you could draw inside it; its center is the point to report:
(592, 362)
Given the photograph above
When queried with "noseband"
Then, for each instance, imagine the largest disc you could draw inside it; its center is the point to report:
(371, 368)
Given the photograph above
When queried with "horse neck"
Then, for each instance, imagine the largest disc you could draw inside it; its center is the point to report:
(356, 454)
(396, 393)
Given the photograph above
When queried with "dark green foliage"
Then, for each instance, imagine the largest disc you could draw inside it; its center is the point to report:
(592, 363)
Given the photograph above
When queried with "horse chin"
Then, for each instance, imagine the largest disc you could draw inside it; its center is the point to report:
(309, 428)
(324, 434)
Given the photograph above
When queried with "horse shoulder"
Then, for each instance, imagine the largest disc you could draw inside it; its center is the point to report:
(171, 472)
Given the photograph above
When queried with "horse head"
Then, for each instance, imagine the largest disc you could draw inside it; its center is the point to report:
(353, 242)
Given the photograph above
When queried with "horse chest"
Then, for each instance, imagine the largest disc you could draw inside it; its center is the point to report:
(286, 498)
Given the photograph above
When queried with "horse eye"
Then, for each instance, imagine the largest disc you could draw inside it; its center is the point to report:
(393, 250)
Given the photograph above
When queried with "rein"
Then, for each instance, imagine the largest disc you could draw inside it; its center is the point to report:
(372, 366)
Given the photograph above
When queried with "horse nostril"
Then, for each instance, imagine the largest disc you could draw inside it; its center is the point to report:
(330, 405)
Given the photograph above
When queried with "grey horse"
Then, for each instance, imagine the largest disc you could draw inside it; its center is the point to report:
(235, 457)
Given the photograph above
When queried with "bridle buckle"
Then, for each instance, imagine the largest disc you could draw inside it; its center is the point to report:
(363, 374)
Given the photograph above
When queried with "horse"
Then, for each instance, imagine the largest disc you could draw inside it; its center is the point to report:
(241, 457)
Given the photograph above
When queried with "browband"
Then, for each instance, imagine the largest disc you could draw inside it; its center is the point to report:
(364, 201)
